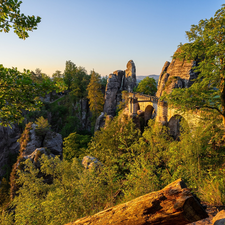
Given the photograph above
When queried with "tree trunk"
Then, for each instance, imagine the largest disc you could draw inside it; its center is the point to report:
(174, 204)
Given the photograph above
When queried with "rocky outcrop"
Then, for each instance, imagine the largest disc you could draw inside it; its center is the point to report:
(219, 219)
(130, 77)
(177, 74)
(51, 140)
(113, 92)
(8, 145)
(32, 145)
(83, 113)
(90, 163)
(117, 82)
(100, 121)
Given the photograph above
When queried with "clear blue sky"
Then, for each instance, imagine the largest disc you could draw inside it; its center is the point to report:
(104, 34)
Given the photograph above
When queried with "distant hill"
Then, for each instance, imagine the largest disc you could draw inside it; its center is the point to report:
(156, 77)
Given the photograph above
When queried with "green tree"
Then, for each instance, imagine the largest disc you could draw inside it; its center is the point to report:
(95, 96)
(69, 73)
(42, 126)
(57, 74)
(147, 86)
(79, 84)
(207, 40)
(19, 92)
(11, 17)
(74, 145)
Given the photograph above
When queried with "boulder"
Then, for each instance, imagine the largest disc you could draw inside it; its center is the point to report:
(219, 219)
(8, 145)
(35, 141)
(51, 140)
(100, 122)
(91, 163)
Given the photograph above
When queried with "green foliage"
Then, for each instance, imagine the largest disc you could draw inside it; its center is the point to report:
(95, 96)
(147, 86)
(4, 192)
(69, 73)
(75, 192)
(206, 46)
(142, 178)
(12, 18)
(42, 126)
(79, 84)
(19, 92)
(72, 124)
(112, 145)
(75, 145)
(104, 81)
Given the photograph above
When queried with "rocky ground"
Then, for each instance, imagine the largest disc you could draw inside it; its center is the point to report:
(212, 211)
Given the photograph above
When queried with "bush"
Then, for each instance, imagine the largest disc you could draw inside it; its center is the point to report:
(75, 145)
(42, 126)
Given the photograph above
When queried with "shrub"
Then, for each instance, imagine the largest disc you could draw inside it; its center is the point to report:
(42, 126)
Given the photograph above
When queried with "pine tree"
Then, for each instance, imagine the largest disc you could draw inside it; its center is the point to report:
(95, 96)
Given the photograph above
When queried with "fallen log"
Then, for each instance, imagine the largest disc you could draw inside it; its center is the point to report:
(175, 204)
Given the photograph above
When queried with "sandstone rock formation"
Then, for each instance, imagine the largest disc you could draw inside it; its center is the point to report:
(90, 163)
(83, 113)
(177, 74)
(51, 140)
(100, 121)
(117, 82)
(8, 145)
(130, 77)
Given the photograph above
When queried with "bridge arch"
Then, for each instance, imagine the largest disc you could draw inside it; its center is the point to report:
(175, 126)
(148, 113)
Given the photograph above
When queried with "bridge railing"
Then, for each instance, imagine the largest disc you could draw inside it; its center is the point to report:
(140, 95)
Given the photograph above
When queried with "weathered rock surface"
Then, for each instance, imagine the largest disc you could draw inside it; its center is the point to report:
(37, 153)
(118, 81)
(100, 121)
(8, 145)
(177, 74)
(219, 219)
(51, 140)
(90, 163)
(113, 92)
(83, 113)
(130, 77)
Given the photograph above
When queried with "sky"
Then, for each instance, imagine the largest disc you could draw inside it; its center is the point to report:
(103, 34)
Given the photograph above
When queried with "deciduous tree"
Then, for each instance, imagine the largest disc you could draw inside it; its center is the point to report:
(11, 17)
(95, 96)
(147, 86)
(207, 41)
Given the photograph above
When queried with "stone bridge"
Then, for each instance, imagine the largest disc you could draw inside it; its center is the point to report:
(150, 107)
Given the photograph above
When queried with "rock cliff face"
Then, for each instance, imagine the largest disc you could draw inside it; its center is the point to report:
(130, 77)
(177, 74)
(84, 114)
(8, 145)
(117, 82)
(51, 140)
